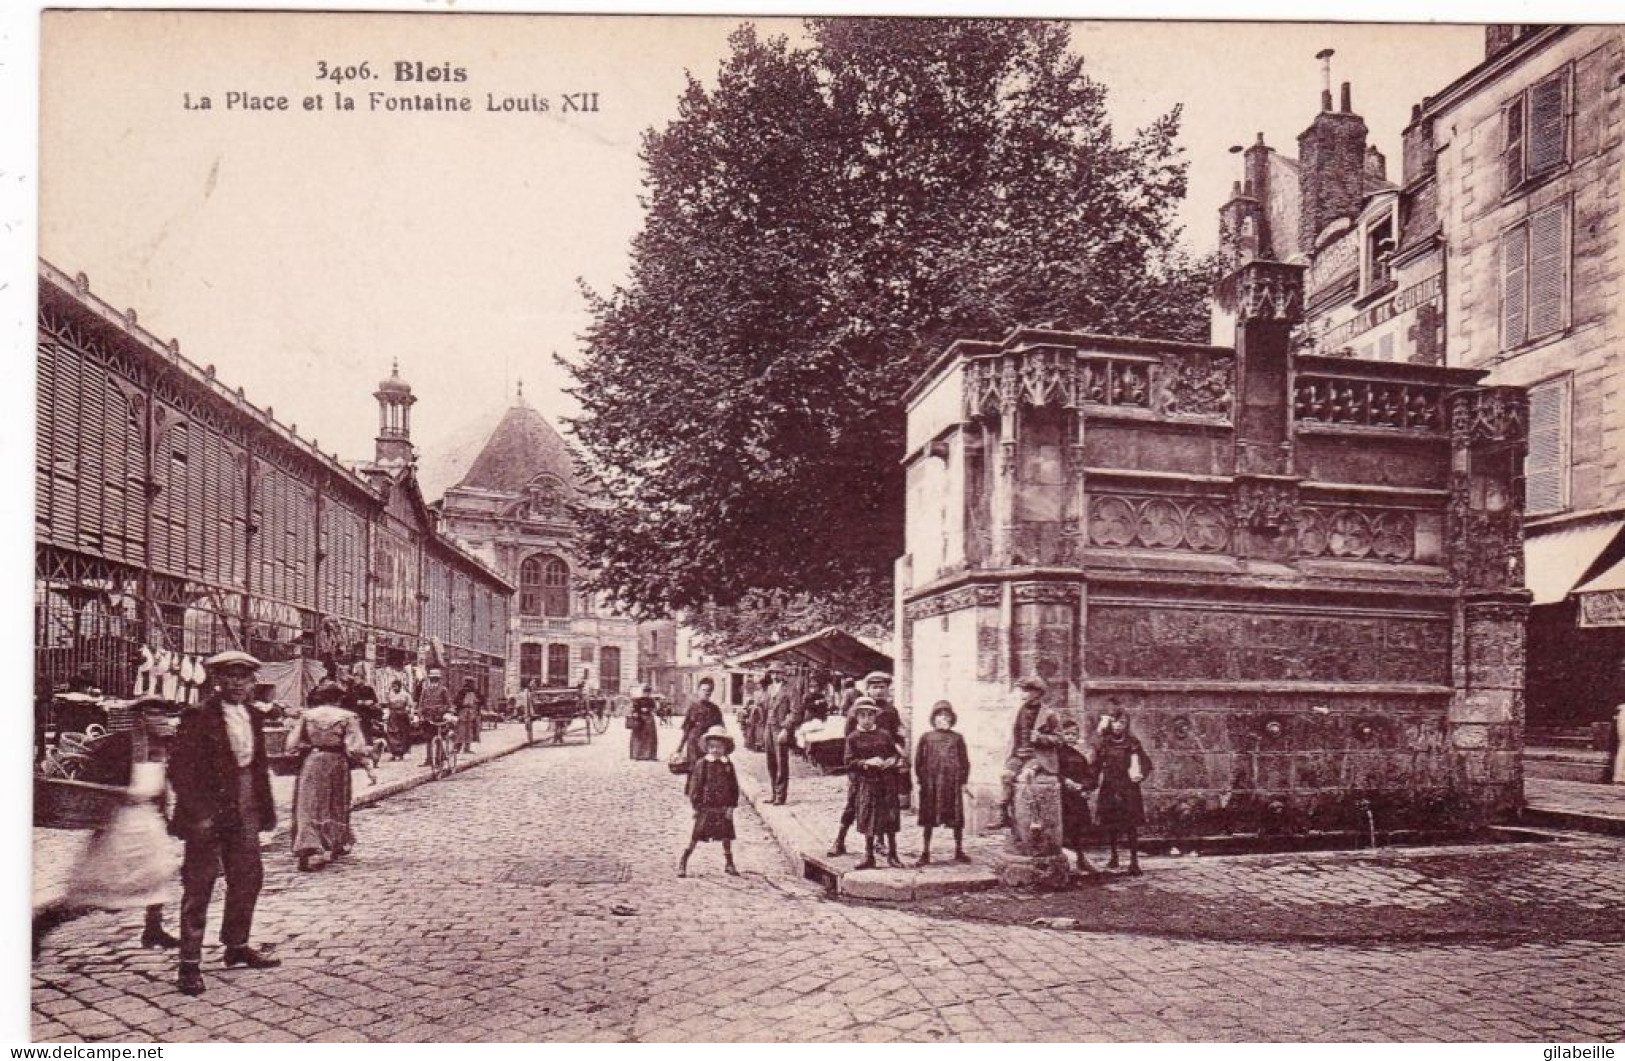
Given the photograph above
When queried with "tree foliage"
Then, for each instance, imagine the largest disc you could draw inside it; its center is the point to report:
(821, 223)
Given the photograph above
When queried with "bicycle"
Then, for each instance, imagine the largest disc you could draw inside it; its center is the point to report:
(443, 751)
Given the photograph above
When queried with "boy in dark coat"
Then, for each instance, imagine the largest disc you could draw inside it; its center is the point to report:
(713, 790)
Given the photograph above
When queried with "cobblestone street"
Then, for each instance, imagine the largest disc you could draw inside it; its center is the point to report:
(534, 898)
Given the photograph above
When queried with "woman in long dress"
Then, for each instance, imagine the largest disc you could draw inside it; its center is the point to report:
(470, 705)
(702, 715)
(321, 795)
(641, 721)
(398, 721)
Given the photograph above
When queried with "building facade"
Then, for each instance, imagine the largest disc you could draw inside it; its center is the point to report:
(1499, 250)
(512, 509)
(174, 517)
(1291, 570)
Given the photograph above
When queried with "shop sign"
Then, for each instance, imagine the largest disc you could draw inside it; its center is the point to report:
(1605, 607)
(1428, 291)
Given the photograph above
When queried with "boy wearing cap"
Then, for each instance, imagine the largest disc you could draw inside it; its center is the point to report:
(223, 802)
(876, 687)
(713, 790)
(871, 760)
(1034, 742)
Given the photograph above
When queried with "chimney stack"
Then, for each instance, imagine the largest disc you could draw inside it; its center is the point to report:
(1331, 162)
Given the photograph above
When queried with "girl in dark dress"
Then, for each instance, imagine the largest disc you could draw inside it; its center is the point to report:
(713, 790)
(872, 759)
(1078, 779)
(1123, 764)
(640, 719)
(942, 764)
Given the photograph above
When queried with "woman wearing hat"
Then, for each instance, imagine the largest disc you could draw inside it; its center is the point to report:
(713, 790)
(640, 719)
(321, 795)
(872, 759)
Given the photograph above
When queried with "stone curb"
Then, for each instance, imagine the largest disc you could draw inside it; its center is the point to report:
(803, 852)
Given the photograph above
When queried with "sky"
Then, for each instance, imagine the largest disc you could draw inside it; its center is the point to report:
(303, 252)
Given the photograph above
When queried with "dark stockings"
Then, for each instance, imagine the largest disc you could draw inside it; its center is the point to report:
(1132, 838)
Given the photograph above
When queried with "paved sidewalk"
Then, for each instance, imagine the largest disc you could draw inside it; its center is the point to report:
(54, 850)
(1574, 805)
(805, 827)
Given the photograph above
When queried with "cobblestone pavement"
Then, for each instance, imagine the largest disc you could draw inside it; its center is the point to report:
(535, 899)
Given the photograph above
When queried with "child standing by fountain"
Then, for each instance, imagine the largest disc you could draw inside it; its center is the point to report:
(1123, 765)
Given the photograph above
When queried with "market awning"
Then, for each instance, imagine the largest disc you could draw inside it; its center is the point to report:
(831, 648)
(1555, 563)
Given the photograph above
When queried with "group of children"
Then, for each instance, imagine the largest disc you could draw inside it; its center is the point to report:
(877, 765)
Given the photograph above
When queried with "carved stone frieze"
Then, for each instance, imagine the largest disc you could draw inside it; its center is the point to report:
(1198, 385)
(1124, 521)
(1491, 414)
(1046, 593)
(1262, 290)
(1356, 534)
(1368, 403)
(1265, 504)
(1218, 644)
(980, 595)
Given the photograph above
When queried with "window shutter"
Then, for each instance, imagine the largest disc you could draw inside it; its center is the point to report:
(1514, 304)
(1512, 142)
(1545, 468)
(1548, 271)
(1548, 127)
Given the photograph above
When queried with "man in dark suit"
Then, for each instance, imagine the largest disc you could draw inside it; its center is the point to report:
(782, 714)
(222, 785)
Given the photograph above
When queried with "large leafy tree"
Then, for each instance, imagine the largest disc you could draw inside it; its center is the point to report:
(820, 224)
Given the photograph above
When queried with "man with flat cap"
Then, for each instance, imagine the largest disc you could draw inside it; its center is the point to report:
(781, 713)
(222, 783)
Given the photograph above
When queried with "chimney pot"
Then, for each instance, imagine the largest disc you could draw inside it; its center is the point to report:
(1347, 100)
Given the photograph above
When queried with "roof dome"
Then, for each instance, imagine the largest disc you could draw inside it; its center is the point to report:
(394, 384)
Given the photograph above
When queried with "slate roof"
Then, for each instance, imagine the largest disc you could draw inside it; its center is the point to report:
(523, 446)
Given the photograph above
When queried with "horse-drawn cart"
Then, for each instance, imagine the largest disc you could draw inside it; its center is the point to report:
(570, 711)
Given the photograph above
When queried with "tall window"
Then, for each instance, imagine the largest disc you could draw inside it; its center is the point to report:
(609, 670)
(1535, 130)
(1546, 468)
(1377, 252)
(530, 664)
(1535, 277)
(558, 665)
(544, 586)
